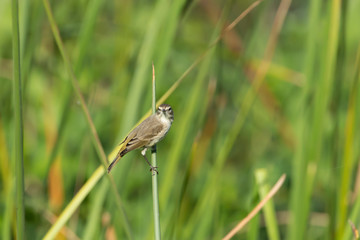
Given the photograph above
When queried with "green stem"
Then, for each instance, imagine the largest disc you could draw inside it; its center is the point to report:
(154, 174)
(269, 208)
(18, 131)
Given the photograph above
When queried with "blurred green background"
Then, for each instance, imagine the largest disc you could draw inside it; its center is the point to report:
(278, 93)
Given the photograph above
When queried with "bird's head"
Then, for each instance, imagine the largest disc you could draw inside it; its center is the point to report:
(165, 110)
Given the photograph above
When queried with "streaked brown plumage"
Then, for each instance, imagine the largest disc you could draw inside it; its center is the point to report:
(147, 133)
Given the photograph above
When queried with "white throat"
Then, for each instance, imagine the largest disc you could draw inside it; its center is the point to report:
(165, 120)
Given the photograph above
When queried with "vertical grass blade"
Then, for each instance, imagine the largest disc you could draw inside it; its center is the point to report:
(18, 117)
(355, 102)
(254, 225)
(92, 224)
(269, 209)
(300, 160)
(154, 178)
(347, 169)
(348, 161)
(322, 99)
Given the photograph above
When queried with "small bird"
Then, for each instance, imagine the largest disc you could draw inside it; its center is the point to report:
(147, 133)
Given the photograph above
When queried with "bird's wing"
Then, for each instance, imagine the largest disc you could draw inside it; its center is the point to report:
(137, 138)
(123, 144)
(151, 132)
(131, 141)
(134, 143)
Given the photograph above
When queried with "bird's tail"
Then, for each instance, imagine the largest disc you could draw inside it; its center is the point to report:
(116, 159)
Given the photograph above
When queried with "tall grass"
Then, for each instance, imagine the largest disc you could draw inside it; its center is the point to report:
(154, 178)
(257, 87)
(18, 124)
(94, 135)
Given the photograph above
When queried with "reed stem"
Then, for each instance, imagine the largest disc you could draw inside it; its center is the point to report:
(154, 173)
(18, 127)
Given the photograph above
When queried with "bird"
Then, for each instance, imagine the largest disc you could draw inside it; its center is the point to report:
(146, 134)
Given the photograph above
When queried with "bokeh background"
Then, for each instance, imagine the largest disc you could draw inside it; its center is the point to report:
(278, 93)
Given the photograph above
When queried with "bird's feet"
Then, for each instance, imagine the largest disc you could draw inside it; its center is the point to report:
(154, 170)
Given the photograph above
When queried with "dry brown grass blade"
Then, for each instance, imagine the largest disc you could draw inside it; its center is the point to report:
(258, 207)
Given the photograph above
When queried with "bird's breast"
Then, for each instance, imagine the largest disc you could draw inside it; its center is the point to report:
(161, 134)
